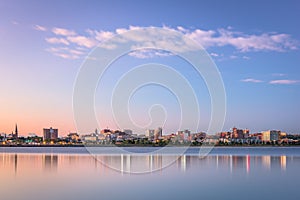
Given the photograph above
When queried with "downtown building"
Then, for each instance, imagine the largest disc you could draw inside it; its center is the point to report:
(158, 133)
(240, 133)
(50, 134)
(270, 135)
(150, 133)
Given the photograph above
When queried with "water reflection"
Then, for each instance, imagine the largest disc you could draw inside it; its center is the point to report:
(283, 162)
(81, 176)
(17, 163)
(50, 162)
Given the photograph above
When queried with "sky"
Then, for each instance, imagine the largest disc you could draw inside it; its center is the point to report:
(254, 44)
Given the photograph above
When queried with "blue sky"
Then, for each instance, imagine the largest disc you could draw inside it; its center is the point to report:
(254, 44)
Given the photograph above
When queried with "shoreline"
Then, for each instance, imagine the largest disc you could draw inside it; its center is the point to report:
(151, 146)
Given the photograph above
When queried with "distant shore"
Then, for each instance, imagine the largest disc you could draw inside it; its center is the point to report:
(141, 146)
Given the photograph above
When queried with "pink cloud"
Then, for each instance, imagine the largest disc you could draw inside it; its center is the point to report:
(284, 82)
(83, 41)
(251, 80)
(65, 52)
(207, 38)
(244, 42)
(63, 32)
(39, 28)
(55, 40)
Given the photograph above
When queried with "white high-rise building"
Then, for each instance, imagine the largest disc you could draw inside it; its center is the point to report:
(187, 134)
(149, 133)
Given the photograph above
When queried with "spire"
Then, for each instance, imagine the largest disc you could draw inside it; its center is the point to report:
(16, 131)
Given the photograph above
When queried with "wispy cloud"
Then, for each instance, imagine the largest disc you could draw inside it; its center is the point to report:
(214, 54)
(65, 52)
(284, 82)
(15, 22)
(148, 53)
(63, 32)
(273, 82)
(222, 57)
(278, 74)
(252, 80)
(100, 35)
(83, 41)
(232, 57)
(242, 42)
(39, 28)
(55, 40)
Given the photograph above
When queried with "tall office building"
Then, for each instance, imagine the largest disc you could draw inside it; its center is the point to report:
(158, 133)
(186, 134)
(50, 134)
(234, 132)
(237, 133)
(246, 133)
(149, 133)
(270, 135)
(274, 135)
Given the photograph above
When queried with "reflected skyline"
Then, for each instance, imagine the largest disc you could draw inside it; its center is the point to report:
(17, 163)
(79, 176)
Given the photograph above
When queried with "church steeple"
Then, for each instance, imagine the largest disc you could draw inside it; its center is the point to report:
(16, 131)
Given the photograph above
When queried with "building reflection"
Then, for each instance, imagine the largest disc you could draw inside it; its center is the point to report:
(9, 163)
(50, 163)
(266, 161)
(275, 162)
(126, 163)
(16, 163)
(283, 162)
(183, 162)
(134, 163)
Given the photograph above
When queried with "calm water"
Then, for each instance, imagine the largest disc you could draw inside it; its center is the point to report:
(226, 173)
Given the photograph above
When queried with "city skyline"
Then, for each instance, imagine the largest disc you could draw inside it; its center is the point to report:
(255, 48)
(147, 132)
(151, 137)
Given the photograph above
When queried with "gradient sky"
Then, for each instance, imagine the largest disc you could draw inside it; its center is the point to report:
(255, 45)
